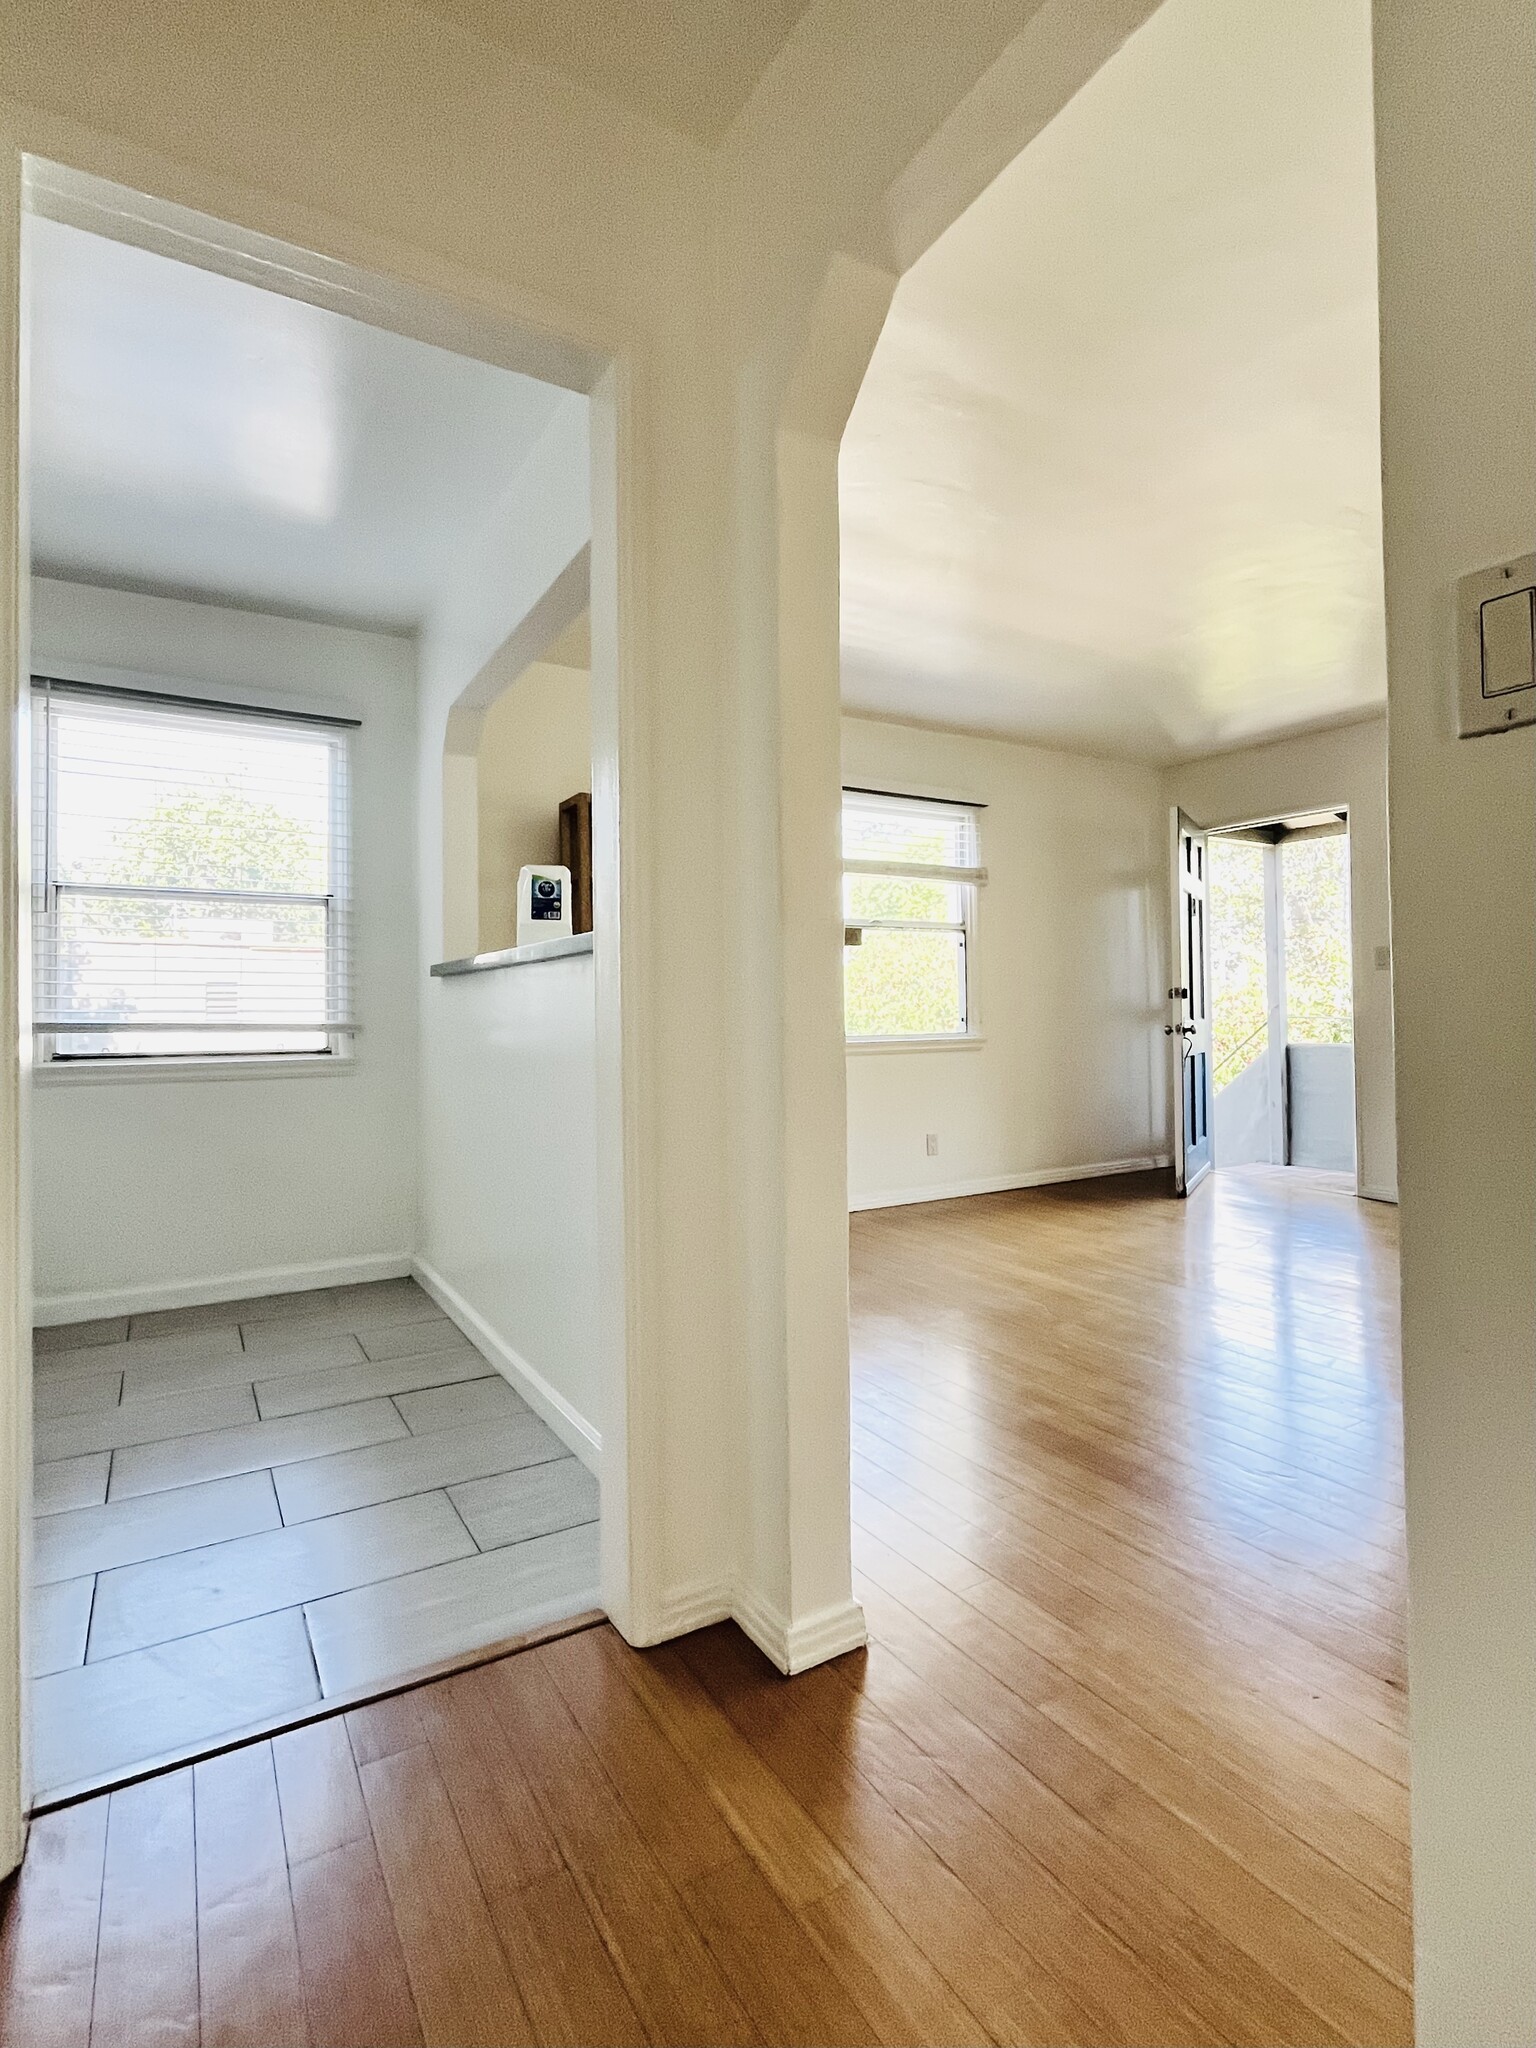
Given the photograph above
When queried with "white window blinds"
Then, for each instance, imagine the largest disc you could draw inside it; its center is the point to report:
(190, 870)
(895, 834)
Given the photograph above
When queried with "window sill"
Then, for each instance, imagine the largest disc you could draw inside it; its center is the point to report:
(962, 1041)
(292, 1067)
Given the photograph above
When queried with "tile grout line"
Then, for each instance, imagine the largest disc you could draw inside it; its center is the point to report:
(90, 1616)
(106, 1850)
(197, 1895)
(309, 1644)
(447, 1494)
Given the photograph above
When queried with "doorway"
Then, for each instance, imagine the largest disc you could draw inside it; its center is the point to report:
(288, 1455)
(1281, 995)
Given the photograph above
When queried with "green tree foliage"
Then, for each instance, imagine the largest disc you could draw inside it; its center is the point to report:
(219, 839)
(1238, 987)
(904, 896)
(901, 983)
(214, 839)
(1314, 884)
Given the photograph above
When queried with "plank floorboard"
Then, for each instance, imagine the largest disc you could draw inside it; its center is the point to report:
(53, 1915)
(356, 1987)
(668, 1973)
(570, 1985)
(318, 1794)
(146, 1956)
(464, 1991)
(248, 1956)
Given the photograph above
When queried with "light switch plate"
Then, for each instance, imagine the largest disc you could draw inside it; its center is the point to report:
(1496, 648)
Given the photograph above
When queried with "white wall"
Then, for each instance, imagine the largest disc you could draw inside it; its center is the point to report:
(515, 590)
(511, 1221)
(1323, 771)
(1456, 187)
(1066, 977)
(509, 1109)
(153, 1190)
(535, 751)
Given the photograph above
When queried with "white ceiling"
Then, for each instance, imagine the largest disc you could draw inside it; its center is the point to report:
(1112, 482)
(690, 64)
(193, 434)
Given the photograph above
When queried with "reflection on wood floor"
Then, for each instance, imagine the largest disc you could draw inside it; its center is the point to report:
(1124, 1764)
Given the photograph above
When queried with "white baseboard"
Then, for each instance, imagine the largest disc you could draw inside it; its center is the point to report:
(796, 1646)
(1000, 1183)
(573, 1429)
(693, 1607)
(790, 1646)
(88, 1306)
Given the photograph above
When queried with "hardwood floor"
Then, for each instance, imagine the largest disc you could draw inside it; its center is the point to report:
(1124, 1762)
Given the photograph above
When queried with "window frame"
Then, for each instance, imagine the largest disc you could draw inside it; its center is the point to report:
(968, 879)
(149, 692)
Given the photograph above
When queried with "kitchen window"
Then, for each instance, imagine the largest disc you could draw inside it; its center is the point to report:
(190, 879)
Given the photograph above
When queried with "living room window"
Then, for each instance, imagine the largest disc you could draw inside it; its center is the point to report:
(910, 877)
(190, 879)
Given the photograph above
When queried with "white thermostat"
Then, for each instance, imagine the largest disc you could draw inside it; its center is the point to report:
(543, 905)
(1496, 647)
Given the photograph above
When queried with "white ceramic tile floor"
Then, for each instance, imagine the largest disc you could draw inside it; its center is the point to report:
(139, 1605)
(70, 1483)
(359, 1637)
(294, 1393)
(122, 1532)
(512, 1506)
(115, 1425)
(250, 1446)
(355, 1479)
(75, 1393)
(96, 1718)
(397, 1340)
(301, 1353)
(245, 1506)
(67, 1336)
(61, 1614)
(147, 1351)
(456, 1407)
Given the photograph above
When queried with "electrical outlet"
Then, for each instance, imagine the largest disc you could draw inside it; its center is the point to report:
(1383, 957)
(933, 1144)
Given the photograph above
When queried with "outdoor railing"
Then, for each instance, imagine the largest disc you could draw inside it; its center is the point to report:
(1231, 1054)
